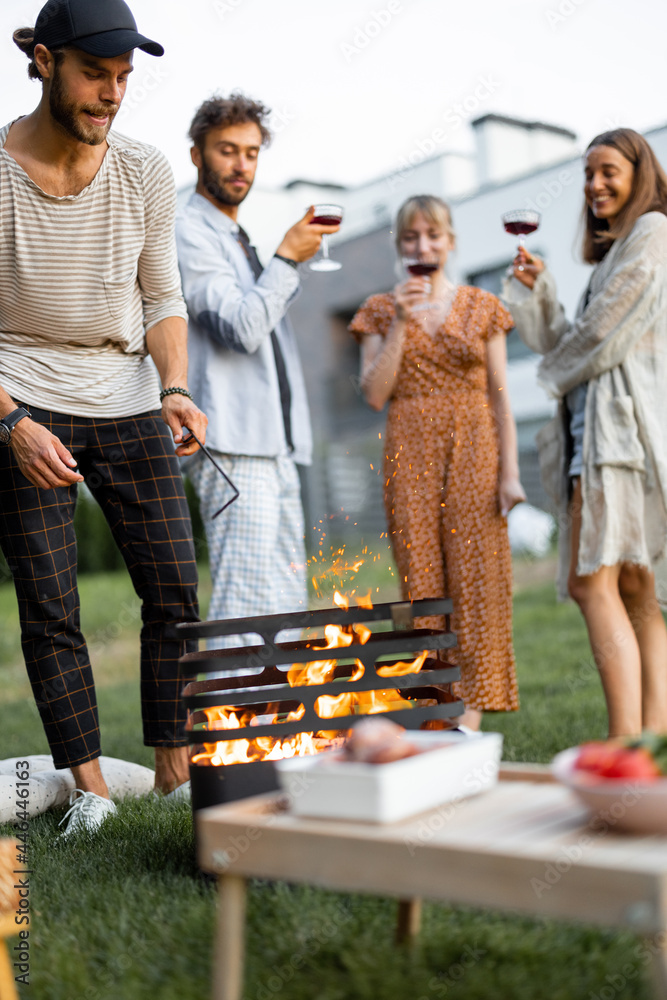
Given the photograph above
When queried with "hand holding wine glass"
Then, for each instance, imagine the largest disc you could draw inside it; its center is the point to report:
(326, 215)
(526, 267)
(422, 266)
(521, 222)
(408, 297)
(304, 239)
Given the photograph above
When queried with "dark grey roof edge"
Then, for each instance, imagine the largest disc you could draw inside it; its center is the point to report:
(523, 123)
(322, 184)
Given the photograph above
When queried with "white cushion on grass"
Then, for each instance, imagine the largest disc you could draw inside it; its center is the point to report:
(49, 788)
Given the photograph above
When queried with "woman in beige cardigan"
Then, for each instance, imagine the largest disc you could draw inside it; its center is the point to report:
(604, 457)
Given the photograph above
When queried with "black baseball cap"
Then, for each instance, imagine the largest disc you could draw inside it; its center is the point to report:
(103, 28)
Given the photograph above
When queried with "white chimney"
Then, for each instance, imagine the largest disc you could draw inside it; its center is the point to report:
(509, 147)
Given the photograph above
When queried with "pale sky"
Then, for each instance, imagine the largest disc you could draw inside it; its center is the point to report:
(356, 85)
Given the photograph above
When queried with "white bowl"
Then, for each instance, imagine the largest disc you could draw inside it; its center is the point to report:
(453, 766)
(621, 803)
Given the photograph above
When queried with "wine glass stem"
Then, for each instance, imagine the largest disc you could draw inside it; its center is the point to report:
(325, 247)
(520, 246)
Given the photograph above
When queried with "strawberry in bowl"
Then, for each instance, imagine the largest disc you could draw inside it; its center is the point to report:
(613, 760)
(623, 782)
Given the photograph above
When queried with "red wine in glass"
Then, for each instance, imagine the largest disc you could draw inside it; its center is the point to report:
(421, 268)
(326, 215)
(521, 222)
(520, 228)
(325, 220)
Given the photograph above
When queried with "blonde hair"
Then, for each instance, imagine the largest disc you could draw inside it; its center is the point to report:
(431, 207)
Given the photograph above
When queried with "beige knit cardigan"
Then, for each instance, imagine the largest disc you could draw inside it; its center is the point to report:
(618, 344)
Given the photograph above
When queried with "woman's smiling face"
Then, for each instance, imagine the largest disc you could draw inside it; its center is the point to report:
(608, 183)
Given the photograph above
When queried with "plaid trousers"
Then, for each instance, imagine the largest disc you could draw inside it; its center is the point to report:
(130, 467)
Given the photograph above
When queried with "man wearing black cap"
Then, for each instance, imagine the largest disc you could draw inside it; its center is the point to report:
(89, 294)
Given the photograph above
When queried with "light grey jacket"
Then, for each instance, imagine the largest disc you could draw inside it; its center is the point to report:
(618, 344)
(231, 315)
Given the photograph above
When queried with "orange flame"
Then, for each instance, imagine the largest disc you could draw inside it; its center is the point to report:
(364, 600)
(402, 668)
(242, 751)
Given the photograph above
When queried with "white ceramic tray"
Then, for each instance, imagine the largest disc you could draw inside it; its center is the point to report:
(453, 766)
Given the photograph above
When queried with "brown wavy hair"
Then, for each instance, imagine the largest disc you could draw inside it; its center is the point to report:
(24, 38)
(219, 112)
(648, 194)
(431, 207)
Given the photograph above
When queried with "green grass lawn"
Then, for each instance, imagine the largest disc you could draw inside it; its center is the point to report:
(126, 916)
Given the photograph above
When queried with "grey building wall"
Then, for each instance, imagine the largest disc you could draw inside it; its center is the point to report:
(341, 484)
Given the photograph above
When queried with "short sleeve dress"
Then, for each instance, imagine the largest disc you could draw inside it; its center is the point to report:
(441, 473)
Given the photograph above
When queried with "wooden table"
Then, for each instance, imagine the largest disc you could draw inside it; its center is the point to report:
(526, 846)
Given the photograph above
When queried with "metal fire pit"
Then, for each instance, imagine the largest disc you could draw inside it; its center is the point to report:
(269, 691)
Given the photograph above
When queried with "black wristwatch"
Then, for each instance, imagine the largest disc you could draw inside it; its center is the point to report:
(8, 423)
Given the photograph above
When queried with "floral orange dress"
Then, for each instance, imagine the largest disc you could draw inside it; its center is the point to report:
(441, 472)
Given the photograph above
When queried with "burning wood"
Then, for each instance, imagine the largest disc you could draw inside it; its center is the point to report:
(370, 702)
(339, 673)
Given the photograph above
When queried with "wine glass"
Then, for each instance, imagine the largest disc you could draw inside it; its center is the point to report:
(326, 215)
(421, 266)
(521, 222)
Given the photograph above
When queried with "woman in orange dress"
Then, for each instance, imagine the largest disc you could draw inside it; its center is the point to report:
(437, 353)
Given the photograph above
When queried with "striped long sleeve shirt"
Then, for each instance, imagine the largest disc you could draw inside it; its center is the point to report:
(82, 278)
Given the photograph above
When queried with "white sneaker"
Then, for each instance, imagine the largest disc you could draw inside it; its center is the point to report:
(180, 794)
(88, 811)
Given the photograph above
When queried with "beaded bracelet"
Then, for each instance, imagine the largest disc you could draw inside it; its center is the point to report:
(175, 389)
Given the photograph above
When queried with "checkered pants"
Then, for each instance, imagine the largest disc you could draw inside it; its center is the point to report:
(130, 468)
(256, 547)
